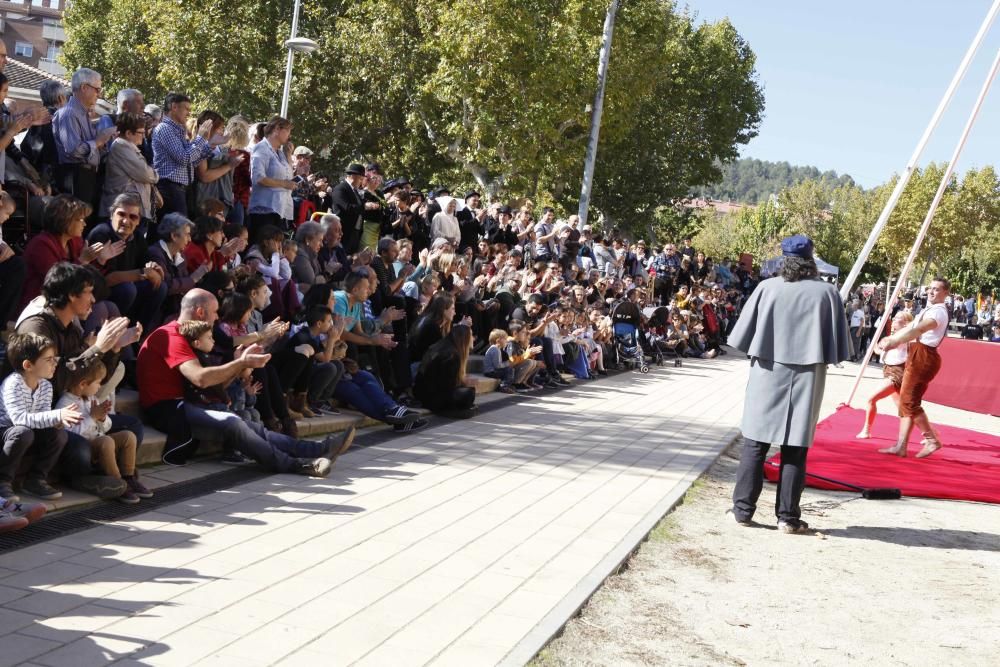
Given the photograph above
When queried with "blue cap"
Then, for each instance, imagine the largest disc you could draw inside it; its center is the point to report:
(797, 246)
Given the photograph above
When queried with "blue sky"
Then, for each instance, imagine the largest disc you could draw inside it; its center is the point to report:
(850, 85)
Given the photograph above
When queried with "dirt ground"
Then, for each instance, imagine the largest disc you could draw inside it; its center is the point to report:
(903, 582)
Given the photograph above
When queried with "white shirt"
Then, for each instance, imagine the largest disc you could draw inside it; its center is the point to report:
(88, 427)
(939, 313)
(896, 356)
(857, 318)
(177, 259)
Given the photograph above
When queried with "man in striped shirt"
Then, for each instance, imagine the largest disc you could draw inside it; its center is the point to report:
(174, 157)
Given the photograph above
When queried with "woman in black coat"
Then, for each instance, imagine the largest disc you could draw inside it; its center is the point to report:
(440, 384)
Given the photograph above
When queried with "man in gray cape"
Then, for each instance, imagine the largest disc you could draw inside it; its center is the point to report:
(791, 327)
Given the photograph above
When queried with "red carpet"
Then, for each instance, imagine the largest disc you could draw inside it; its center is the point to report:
(966, 468)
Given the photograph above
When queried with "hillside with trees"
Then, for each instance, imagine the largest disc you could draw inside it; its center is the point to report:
(752, 181)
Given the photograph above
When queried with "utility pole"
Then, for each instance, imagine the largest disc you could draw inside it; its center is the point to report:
(595, 119)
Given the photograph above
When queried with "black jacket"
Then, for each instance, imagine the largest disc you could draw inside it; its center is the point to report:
(437, 377)
(345, 203)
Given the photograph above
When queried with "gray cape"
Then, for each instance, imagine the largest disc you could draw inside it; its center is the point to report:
(791, 331)
(793, 323)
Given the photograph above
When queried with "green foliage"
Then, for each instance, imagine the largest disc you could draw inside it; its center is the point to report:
(492, 93)
(755, 229)
(751, 181)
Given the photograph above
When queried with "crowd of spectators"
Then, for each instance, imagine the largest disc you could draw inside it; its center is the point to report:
(201, 261)
(972, 318)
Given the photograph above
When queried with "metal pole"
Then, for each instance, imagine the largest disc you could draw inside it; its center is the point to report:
(595, 118)
(291, 59)
(904, 178)
(945, 180)
(927, 264)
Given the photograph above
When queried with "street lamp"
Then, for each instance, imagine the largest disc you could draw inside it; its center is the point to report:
(293, 44)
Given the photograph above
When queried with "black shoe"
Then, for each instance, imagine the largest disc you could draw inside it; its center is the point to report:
(236, 458)
(102, 486)
(602, 372)
(39, 488)
(408, 401)
(129, 497)
(561, 382)
(336, 445)
(461, 414)
(137, 487)
(7, 492)
(412, 426)
(400, 415)
(312, 467)
(793, 526)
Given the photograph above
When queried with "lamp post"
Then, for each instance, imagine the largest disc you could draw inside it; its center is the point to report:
(293, 44)
(598, 109)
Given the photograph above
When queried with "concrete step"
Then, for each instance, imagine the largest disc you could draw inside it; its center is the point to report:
(475, 363)
(484, 385)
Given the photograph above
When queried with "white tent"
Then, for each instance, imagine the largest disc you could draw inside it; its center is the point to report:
(772, 267)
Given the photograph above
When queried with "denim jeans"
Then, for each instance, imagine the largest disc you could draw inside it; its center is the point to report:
(274, 451)
(174, 197)
(45, 445)
(140, 301)
(323, 382)
(363, 392)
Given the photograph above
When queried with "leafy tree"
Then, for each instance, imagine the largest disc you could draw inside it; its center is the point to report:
(466, 92)
(752, 181)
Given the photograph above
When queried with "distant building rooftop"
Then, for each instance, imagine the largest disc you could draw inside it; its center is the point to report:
(25, 80)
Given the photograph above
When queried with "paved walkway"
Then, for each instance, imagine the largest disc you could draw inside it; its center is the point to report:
(466, 544)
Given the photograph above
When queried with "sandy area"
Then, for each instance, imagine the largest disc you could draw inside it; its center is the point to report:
(905, 582)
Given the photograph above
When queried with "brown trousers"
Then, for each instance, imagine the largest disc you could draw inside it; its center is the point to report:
(922, 363)
(115, 453)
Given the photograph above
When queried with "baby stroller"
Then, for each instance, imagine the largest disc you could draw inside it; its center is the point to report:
(630, 348)
(627, 347)
(658, 319)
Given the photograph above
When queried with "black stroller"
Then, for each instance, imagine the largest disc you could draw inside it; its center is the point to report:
(657, 319)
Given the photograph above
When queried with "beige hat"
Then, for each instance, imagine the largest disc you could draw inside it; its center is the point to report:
(302, 150)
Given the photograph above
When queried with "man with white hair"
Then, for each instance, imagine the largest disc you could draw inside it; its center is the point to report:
(78, 143)
(129, 100)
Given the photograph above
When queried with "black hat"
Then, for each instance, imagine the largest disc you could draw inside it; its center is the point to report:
(389, 185)
(797, 246)
(443, 190)
(355, 170)
(402, 181)
(505, 209)
(376, 167)
(471, 193)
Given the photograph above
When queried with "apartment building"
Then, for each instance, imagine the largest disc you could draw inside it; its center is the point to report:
(33, 32)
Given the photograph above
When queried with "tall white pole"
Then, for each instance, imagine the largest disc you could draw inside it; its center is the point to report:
(291, 60)
(942, 187)
(904, 177)
(595, 118)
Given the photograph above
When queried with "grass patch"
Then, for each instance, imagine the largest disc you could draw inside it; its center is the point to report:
(666, 530)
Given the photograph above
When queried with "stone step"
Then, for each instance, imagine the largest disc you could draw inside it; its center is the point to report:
(475, 363)
(484, 385)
